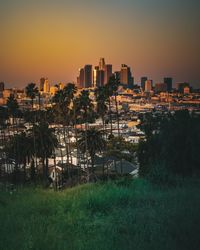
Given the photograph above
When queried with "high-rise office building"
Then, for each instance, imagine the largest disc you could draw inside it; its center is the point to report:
(2, 86)
(107, 72)
(126, 76)
(168, 82)
(101, 78)
(101, 63)
(87, 76)
(80, 78)
(42, 81)
(143, 80)
(46, 86)
(95, 76)
(148, 85)
(98, 77)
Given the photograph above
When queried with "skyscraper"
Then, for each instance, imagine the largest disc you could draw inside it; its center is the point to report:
(168, 82)
(87, 76)
(126, 76)
(148, 85)
(46, 86)
(101, 64)
(95, 76)
(98, 77)
(80, 78)
(101, 78)
(2, 86)
(107, 72)
(143, 80)
(42, 81)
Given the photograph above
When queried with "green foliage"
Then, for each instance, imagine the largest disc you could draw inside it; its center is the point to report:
(108, 216)
(3, 116)
(101, 99)
(20, 148)
(91, 141)
(45, 140)
(118, 147)
(62, 101)
(175, 144)
(13, 107)
(31, 91)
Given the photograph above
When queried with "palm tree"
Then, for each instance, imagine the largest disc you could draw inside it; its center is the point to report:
(20, 149)
(95, 143)
(112, 87)
(63, 100)
(70, 90)
(101, 99)
(86, 107)
(46, 142)
(13, 107)
(87, 115)
(31, 91)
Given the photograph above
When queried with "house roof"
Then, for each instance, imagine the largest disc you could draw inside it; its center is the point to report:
(104, 159)
(123, 167)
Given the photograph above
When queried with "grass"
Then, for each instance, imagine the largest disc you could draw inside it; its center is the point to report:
(122, 215)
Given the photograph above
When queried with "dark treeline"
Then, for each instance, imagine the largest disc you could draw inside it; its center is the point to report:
(172, 145)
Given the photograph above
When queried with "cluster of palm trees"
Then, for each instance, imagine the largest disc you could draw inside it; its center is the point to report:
(50, 129)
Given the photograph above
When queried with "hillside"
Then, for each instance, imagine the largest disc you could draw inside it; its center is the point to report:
(123, 215)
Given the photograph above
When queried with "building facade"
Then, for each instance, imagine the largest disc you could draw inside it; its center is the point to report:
(126, 76)
(87, 76)
(168, 82)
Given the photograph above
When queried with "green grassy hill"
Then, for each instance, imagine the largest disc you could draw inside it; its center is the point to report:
(135, 215)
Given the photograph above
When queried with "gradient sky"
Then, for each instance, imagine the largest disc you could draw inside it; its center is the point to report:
(54, 38)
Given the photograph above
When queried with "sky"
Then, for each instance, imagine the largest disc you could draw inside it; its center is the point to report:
(54, 38)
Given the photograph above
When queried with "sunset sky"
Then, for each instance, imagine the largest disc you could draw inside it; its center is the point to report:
(54, 38)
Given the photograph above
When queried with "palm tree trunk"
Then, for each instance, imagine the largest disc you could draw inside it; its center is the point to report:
(47, 168)
(117, 111)
(77, 148)
(61, 155)
(32, 103)
(86, 149)
(110, 116)
(67, 152)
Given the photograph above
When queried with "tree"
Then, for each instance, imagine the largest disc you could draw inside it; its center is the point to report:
(95, 143)
(101, 99)
(87, 114)
(31, 91)
(63, 101)
(175, 145)
(13, 107)
(45, 142)
(111, 89)
(3, 116)
(19, 148)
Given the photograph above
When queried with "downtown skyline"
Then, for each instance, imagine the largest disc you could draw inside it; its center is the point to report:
(55, 38)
